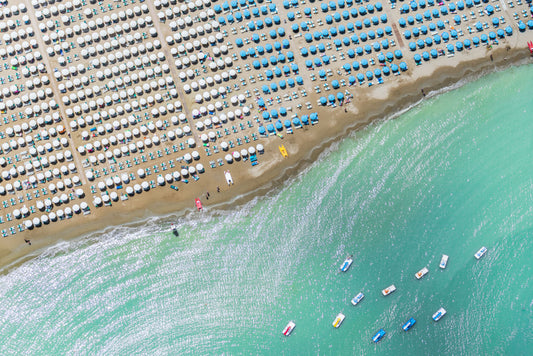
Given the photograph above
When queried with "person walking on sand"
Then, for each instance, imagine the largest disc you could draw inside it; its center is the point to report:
(218, 189)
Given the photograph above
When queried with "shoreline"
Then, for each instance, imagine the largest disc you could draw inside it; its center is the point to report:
(272, 175)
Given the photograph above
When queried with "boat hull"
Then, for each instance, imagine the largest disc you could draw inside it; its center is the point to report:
(378, 336)
(388, 290)
(443, 261)
(338, 320)
(439, 314)
(482, 251)
(357, 298)
(289, 328)
(409, 324)
(346, 265)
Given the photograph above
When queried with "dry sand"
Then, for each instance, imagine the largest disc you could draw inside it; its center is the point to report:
(304, 145)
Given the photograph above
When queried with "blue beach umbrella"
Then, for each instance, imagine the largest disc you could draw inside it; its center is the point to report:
(360, 77)
(434, 53)
(355, 65)
(403, 66)
(351, 79)
(296, 122)
(266, 115)
(331, 98)
(335, 84)
(386, 71)
(290, 81)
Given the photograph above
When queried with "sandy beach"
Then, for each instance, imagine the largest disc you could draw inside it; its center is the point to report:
(369, 103)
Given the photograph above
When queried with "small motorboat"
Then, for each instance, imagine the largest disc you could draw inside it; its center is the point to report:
(338, 320)
(388, 290)
(408, 324)
(439, 314)
(289, 328)
(482, 251)
(358, 298)
(379, 335)
(198, 203)
(443, 261)
(346, 264)
(421, 273)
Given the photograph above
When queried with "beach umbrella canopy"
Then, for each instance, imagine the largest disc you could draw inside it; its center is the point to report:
(340, 96)
(305, 120)
(331, 98)
(394, 67)
(360, 77)
(434, 53)
(403, 66)
(508, 30)
(291, 82)
(351, 79)
(271, 128)
(335, 84)
(386, 70)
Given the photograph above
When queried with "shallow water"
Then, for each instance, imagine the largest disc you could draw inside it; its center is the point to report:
(449, 176)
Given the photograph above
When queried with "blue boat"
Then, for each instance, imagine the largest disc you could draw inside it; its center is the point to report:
(357, 298)
(379, 335)
(346, 264)
(409, 324)
(439, 314)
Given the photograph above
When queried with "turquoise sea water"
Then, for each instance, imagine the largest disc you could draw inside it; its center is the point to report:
(449, 176)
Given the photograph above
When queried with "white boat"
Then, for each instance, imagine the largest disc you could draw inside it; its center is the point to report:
(289, 328)
(481, 252)
(421, 273)
(443, 261)
(388, 290)
(439, 314)
(357, 298)
(346, 264)
(338, 320)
